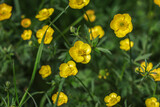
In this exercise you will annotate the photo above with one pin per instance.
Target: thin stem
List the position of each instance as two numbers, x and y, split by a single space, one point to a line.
68 28
14 81
60 14
130 52
61 34
90 26
8 97
150 6
17 6
59 90
85 88
154 92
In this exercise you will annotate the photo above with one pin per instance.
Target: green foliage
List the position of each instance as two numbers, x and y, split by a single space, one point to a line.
21 60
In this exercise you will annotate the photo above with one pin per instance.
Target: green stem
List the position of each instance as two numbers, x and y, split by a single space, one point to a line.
130 52
38 57
17 6
150 6
85 88
68 28
61 34
45 96
14 81
59 90
8 97
154 92
90 24
60 14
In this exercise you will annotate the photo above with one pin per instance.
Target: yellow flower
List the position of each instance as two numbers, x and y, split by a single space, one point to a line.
80 52
61 100
155 74
103 73
96 31
91 15
26 35
5 11
44 14
152 102
26 22
112 99
45 71
121 24
157 2
126 44
78 4
48 37
143 68
68 69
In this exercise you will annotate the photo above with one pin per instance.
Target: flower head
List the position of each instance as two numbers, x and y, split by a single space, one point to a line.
78 4
155 74
144 68
112 99
61 100
126 44
157 2
121 24
80 52
5 11
26 35
26 22
103 73
96 31
91 15
45 71
44 14
152 102
48 35
68 69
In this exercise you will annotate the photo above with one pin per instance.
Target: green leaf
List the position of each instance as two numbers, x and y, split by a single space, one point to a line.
104 50
86 33
95 41
155 67
142 57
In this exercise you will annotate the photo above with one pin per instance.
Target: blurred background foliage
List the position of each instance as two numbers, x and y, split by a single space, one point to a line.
122 79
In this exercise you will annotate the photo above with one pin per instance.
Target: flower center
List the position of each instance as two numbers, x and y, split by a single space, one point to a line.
121 24
45 13
113 100
79 2
153 104
80 52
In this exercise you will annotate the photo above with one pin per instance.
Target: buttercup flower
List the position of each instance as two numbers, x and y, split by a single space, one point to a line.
44 14
45 71
61 100
96 31
48 37
26 22
103 74
155 74
125 45
152 102
112 99
68 69
121 24
157 2
26 35
91 15
78 4
80 52
5 11
144 68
